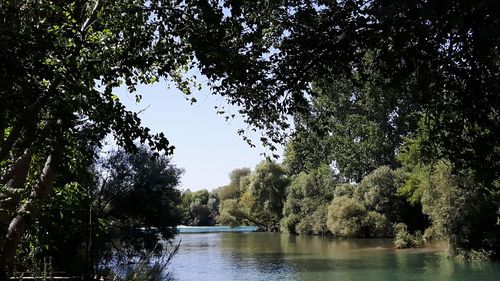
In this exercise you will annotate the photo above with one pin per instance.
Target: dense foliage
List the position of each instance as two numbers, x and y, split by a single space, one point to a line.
319 203
305 208
436 60
400 203
126 208
199 208
137 201
365 80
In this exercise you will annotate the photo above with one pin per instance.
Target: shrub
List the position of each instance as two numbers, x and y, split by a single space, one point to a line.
472 255
463 211
226 217
345 217
404 239
377 225
431 234
304 227
289 222
319 218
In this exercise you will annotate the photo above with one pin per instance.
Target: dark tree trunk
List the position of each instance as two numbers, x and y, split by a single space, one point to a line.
27 214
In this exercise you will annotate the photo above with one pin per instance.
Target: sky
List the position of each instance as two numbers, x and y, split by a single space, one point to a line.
207 146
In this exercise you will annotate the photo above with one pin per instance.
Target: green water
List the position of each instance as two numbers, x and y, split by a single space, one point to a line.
274 256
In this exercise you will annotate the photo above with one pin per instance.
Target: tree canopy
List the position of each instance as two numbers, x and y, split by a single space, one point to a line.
441 56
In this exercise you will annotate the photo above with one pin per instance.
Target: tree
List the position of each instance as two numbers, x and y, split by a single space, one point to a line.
345 217
264 197
352 124
433 67
234 188
462 212
200 208
308 195
138 201
127 201
232 214
67 248
379 192
62 249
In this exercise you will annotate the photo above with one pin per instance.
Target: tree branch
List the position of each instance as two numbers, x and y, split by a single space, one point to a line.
16 176
92 17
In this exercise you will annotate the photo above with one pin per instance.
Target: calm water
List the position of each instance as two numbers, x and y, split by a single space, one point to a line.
274 256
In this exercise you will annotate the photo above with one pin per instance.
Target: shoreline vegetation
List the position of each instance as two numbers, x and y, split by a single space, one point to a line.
410 206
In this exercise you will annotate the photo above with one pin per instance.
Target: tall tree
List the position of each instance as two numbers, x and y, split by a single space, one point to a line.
234 189
264 197
138 201
352 124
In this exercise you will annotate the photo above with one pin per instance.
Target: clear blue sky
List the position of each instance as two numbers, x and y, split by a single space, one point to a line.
206 146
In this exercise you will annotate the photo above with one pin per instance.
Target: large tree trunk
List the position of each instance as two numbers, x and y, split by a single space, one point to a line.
13 184
27 214
16 176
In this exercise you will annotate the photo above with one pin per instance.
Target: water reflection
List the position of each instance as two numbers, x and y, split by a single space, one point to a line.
273 256
247 251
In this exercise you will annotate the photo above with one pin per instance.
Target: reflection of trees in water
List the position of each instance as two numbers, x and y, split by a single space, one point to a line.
444 268
262 252
314 258
290 254
334 248
323 258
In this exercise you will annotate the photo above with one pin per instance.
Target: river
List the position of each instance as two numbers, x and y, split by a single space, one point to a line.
275 256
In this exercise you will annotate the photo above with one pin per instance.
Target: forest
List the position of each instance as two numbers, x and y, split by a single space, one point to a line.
388 111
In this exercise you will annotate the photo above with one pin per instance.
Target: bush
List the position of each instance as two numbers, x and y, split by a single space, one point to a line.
463 211
404 239
472 255
226 210
345 217
431 234
306 206
142 269
319 220
378 191
304 227
377 225
288 223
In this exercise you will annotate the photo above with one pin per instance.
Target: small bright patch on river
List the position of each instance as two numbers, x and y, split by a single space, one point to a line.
275 256
214 229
